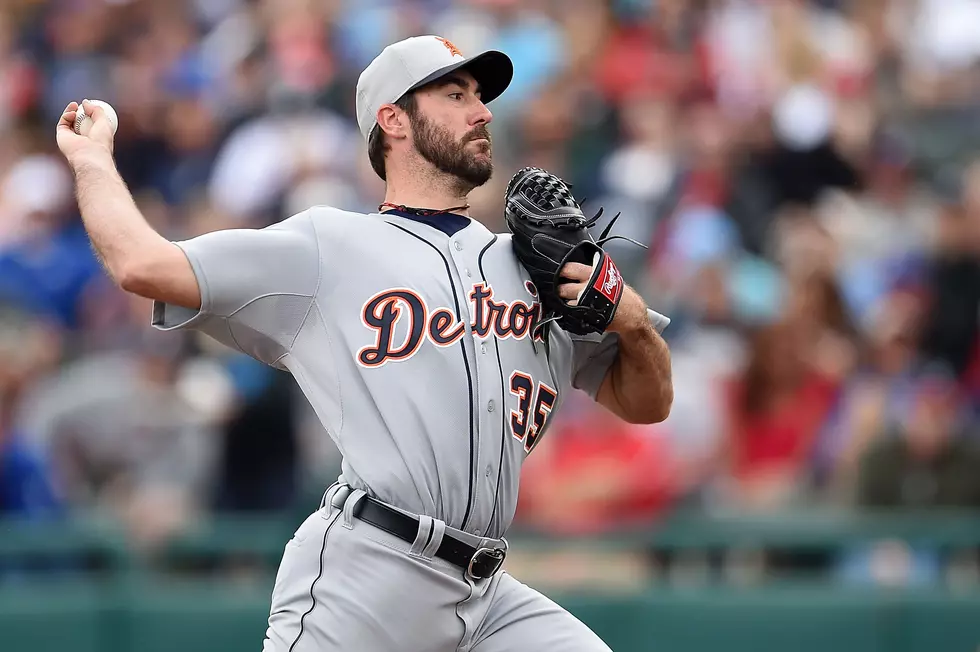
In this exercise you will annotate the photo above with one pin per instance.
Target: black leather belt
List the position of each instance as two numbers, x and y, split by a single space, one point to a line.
479 563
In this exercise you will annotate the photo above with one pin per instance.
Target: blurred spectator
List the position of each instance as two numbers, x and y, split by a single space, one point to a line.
930 460
873 395
707 342
123 435
27 488
259 466
775 410
46 264
953 283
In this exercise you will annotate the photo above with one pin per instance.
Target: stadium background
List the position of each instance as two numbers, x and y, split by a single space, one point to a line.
807 174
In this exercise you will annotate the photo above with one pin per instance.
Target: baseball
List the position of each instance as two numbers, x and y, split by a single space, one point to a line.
83 122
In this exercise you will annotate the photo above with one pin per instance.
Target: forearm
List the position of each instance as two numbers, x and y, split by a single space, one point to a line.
640 377
119 233
638 387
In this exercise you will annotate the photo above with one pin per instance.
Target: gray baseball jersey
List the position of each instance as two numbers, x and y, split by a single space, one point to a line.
411 338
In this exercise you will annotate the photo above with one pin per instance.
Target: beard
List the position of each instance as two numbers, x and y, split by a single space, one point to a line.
436 145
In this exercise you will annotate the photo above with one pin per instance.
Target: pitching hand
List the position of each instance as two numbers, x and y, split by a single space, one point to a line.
99 137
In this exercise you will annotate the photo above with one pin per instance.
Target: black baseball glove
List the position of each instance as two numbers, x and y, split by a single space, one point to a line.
549 230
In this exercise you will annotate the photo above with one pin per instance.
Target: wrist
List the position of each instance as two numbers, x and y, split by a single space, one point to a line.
631 315
93 156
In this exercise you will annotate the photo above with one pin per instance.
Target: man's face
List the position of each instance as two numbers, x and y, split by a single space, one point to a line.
450 130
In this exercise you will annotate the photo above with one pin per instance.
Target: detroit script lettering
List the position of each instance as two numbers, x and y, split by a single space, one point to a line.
441 327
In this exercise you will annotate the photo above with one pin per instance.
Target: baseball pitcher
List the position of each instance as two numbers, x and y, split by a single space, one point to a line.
433 351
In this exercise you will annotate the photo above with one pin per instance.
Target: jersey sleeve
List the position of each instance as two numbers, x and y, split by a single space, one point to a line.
592 355
257 287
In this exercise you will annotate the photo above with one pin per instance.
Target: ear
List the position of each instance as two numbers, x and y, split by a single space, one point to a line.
393 121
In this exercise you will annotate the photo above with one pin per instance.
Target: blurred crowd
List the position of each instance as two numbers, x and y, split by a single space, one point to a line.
805 173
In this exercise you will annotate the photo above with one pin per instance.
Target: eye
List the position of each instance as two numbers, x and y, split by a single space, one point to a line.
456 96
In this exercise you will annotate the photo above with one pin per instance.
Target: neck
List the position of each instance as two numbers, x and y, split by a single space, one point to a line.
426 188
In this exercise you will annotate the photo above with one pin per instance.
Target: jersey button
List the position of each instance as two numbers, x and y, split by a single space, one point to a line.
458 246
489 470
490 406
483 348
469 273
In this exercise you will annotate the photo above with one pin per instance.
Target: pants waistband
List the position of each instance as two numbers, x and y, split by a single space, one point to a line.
338 493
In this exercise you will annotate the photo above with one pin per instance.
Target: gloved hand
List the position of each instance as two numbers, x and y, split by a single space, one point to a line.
550 230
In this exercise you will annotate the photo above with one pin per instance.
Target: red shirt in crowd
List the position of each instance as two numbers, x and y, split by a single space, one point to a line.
782 436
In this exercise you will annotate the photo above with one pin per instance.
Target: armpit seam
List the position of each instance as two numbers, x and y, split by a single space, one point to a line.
316 290
298 371
340 389
231 334
313 298
266 296
309 308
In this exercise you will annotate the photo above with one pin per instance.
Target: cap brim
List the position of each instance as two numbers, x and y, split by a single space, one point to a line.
492 70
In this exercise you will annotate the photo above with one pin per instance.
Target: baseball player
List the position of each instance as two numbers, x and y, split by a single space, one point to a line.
417 335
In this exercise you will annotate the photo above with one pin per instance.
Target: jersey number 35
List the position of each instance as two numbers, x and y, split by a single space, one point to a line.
521 424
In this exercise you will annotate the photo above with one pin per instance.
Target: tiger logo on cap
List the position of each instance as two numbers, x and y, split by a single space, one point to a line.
455 51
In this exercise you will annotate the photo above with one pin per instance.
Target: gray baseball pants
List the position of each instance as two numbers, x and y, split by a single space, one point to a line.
345 585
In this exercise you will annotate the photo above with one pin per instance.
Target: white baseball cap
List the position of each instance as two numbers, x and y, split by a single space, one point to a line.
417 61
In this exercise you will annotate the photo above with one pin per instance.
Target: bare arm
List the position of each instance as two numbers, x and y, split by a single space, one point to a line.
138 259
638 387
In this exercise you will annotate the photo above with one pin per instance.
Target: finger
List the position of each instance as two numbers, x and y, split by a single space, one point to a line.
570 290
93 111
576 272
71 108
67 120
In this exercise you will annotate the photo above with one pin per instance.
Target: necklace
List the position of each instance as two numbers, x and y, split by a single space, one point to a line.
422 212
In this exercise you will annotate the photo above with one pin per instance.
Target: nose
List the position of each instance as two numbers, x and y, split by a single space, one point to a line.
482 115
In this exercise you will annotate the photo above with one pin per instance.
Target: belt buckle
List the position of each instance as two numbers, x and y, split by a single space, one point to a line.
496 556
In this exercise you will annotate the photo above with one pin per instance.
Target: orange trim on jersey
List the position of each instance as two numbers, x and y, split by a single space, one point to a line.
439 321
391 299
522 396
545 408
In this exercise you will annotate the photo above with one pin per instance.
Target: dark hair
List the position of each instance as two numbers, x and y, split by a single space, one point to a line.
758 383
832 302
378 146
